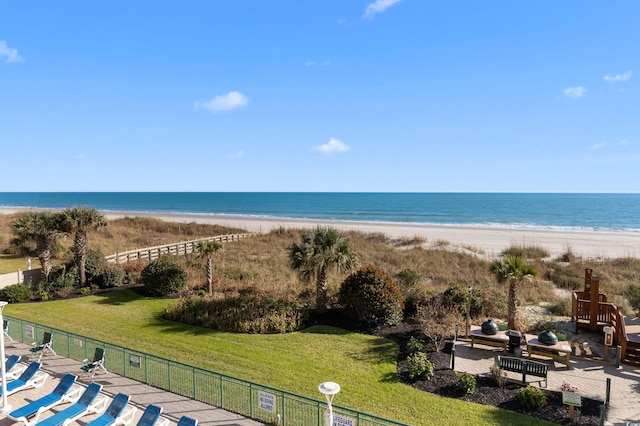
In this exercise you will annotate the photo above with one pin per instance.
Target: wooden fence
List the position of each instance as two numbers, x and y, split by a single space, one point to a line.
181 248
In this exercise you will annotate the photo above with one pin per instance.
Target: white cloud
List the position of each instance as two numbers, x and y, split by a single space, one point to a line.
618 77
10 55
334 145
316 63
603 145
574 92
238 154
378 6
231 100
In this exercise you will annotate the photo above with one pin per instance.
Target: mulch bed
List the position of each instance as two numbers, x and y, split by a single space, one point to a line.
445 382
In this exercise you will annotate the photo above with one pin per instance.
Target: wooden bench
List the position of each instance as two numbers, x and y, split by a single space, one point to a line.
499 340
524 366
560 351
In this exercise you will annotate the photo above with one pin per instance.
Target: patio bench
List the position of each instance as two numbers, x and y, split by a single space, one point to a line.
524 366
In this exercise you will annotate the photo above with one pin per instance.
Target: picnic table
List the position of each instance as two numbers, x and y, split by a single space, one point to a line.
560 351
500 339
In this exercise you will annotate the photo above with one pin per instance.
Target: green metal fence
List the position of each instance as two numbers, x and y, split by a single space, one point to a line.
253 400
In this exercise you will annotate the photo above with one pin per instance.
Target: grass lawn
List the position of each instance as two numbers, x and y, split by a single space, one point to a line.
11 263
363 365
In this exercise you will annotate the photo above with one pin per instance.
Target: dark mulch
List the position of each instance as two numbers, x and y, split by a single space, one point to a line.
444 382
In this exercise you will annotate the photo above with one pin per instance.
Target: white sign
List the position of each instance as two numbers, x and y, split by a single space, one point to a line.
339 420
77 342
267 401
28 331
571 398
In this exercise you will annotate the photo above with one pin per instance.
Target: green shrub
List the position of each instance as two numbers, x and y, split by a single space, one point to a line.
633 295
94 267
419 366
561 308
15 293
466 382
371 297
409 277
247 313
531 397
414 346
498 375
162 277
111 276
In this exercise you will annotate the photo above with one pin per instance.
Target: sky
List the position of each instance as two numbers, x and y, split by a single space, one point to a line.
331 95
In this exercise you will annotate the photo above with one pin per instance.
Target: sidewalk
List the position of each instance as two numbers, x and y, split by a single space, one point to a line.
589 376
174 406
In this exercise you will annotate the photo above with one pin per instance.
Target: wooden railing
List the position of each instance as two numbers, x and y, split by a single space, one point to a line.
607 314
181 248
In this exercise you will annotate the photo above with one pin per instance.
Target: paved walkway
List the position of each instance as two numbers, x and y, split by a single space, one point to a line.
589 376
174 406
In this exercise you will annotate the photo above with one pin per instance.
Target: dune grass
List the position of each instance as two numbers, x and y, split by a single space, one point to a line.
364 365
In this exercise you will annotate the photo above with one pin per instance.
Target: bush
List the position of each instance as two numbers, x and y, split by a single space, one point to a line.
633 295
466 382
498 375
414 346
419 366
531 397
162 277
561 308
94 267
371 297
243 314
112 276
527 252
15 293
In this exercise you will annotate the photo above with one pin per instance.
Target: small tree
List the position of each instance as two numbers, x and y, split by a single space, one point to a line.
320 249
438 320
207 249
515 271
163 276
371 297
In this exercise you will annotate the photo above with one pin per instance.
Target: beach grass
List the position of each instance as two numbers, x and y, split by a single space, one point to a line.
364 365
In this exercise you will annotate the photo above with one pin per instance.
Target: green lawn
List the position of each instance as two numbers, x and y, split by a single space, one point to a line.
11 263
297 362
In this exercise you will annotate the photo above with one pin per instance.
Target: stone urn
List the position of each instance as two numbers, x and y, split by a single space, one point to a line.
489 327
547 338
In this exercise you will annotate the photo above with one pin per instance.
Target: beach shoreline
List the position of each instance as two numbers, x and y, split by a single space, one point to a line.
487 241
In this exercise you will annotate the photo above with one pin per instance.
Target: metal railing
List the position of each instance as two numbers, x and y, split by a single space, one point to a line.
253 400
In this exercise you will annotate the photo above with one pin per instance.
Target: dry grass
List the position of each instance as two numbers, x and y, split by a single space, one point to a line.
260 264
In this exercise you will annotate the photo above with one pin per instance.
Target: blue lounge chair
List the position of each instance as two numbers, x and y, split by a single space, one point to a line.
62 393
84 406
150 416
97 363
28 379
45 346
12 368
187 421
115 412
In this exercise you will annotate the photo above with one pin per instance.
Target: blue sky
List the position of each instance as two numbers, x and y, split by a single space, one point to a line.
344 95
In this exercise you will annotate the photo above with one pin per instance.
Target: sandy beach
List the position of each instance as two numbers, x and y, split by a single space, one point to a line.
488 241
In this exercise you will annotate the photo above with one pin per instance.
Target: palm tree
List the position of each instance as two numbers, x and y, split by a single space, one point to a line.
515 271
207 249
42 227
321 248
80 220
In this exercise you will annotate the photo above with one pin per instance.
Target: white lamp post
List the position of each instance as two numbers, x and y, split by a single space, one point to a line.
329 389
5 405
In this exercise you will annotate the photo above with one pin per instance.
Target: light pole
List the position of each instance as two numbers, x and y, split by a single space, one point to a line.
3 368
329 389
468 324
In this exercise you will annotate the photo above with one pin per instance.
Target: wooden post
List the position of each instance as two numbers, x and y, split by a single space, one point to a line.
595 304
572 413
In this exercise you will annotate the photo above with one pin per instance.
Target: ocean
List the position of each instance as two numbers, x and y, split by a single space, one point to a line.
592 212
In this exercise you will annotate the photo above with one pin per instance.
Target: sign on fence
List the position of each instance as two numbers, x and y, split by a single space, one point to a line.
134 361
28 331
267 401
339 420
